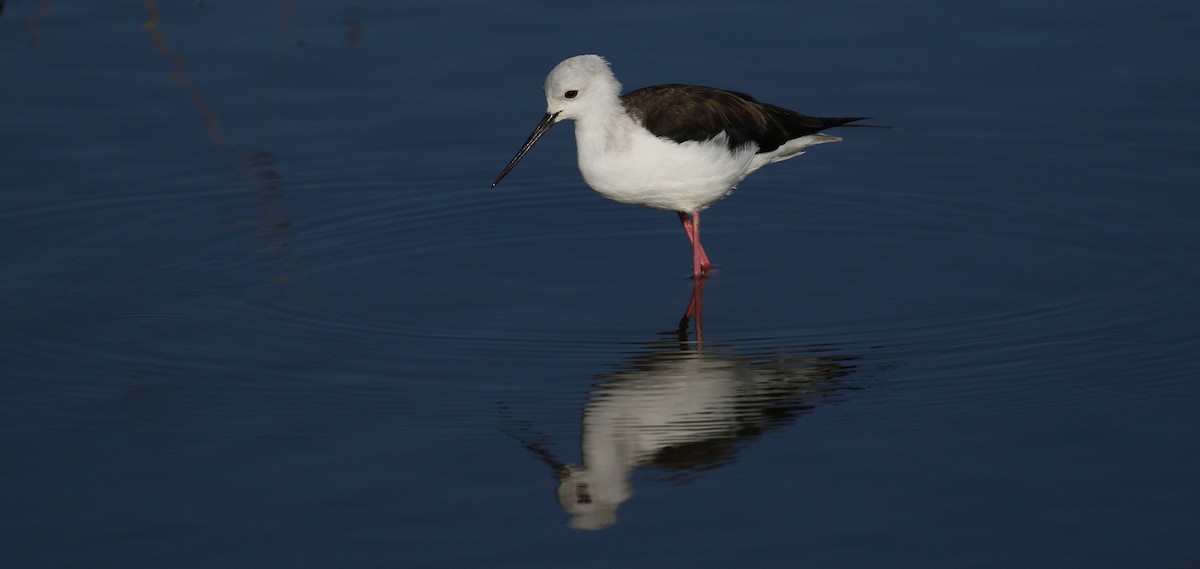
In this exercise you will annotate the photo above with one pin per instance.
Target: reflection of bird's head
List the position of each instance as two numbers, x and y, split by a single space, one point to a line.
590 505
577 493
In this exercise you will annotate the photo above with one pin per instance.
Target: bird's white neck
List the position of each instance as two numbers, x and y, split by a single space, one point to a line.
603 130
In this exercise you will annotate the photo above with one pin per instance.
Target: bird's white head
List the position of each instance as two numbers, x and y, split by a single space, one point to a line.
579 84
577 87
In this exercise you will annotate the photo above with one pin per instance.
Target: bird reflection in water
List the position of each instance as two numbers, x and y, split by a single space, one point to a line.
681 407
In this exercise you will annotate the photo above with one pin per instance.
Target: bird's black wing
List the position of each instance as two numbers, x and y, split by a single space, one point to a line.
691 112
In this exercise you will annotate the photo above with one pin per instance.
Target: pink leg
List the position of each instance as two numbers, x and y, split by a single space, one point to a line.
700 263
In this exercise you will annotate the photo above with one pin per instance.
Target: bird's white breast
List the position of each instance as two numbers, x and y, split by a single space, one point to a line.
626 163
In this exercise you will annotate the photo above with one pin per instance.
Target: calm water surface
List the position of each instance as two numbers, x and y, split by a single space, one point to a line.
261 307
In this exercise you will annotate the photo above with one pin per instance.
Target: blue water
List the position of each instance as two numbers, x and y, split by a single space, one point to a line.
261 307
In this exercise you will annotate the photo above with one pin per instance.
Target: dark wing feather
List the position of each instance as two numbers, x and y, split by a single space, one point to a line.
690 112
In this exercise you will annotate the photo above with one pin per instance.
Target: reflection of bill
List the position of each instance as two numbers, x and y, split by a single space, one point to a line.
680 410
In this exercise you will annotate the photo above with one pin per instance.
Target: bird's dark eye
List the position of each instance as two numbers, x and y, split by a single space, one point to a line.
571 94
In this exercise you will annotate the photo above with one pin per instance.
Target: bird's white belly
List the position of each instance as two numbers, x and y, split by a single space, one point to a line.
659 173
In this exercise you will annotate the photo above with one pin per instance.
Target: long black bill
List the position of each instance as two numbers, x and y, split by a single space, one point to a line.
542 127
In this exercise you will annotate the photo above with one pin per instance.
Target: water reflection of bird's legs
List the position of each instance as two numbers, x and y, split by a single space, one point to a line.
694 313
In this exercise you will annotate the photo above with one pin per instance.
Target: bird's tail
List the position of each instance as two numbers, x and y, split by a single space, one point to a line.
830 122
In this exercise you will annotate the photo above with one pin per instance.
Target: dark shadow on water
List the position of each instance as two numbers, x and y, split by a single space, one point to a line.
33 26
681 406
274 229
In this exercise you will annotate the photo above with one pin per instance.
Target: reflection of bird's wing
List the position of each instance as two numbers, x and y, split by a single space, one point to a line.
683 410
